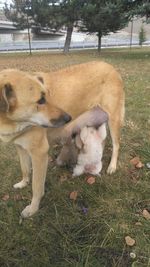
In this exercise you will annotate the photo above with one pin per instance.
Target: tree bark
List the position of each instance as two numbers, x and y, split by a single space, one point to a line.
99 42
68 38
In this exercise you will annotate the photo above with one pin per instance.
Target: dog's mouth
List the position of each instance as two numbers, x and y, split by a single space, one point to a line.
40 120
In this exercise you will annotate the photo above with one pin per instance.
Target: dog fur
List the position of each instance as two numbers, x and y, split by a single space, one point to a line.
75 90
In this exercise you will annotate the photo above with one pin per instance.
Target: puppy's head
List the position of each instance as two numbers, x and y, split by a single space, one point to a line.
68 155
88 134
24 99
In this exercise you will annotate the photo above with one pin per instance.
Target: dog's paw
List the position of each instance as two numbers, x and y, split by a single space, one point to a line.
28 211
111 169
21 184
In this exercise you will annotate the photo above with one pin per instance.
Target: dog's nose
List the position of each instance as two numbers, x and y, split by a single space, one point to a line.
61 120
67 117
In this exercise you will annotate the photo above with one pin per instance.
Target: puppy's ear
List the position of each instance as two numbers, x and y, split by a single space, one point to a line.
102 131
84 134
78 141
7 98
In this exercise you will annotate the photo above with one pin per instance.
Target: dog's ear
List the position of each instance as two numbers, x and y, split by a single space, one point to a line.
7 98
102 131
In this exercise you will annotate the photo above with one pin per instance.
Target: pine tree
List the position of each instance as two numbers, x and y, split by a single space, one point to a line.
142 36
105 16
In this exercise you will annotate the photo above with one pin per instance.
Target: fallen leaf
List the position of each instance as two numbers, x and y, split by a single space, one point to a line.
146 214
50 159
135 161
84 210
138 223
63 178
148 165
73 195
91 180
139 165
5 197
132 255
17 197
129 241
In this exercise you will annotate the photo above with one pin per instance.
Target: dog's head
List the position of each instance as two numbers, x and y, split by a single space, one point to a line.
24 99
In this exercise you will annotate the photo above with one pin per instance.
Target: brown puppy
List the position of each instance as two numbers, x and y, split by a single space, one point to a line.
23 105
77 89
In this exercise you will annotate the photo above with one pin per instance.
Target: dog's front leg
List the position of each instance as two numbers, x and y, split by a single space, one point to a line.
39 158
25 162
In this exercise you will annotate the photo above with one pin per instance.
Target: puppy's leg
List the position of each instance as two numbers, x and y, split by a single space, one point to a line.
97 169
39 156
78 170
114 127
25 162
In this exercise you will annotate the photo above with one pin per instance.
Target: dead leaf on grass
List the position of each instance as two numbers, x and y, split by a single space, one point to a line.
50 159
18 197
73 195
148 165
136 162
146 214
138 224
5 197
129 241
139 165
91 180
63 178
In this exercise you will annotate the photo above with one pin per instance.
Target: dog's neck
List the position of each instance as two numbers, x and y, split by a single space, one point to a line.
11 130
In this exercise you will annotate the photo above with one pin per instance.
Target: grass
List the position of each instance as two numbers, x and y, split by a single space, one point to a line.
62 234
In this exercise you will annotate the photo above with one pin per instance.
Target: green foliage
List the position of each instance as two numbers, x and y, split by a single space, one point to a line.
142 9
142 36
103 17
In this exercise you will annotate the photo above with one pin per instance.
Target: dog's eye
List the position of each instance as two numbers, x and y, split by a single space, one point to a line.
41 100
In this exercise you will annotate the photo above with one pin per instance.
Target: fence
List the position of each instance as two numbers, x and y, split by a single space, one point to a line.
58 45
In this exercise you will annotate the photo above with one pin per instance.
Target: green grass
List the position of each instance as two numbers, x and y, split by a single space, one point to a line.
61 234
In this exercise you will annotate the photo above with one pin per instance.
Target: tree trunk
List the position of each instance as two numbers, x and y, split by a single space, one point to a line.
99 42
68 38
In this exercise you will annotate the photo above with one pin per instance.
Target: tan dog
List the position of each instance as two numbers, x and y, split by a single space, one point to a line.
24 103
77 89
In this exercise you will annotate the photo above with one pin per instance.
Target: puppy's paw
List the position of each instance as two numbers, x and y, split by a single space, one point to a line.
21 184
78 170
28 211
